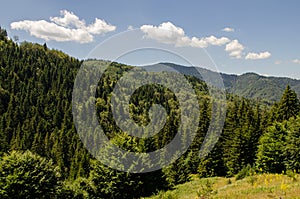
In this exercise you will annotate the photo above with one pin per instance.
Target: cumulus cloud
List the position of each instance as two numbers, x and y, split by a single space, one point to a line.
68 27
69 19
262 55
235 49
228 29
168 33
296 61
211 40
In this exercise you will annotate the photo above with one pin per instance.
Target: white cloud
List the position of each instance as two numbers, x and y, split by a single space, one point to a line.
262 55
168 33
278 62
130 27
228 29
296 61
100 27
50 31
235 49
211 40
66 28
69 19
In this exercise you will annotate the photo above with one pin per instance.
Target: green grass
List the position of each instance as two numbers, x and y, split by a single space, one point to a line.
259 186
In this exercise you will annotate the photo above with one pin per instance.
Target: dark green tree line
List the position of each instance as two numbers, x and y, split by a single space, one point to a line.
36 86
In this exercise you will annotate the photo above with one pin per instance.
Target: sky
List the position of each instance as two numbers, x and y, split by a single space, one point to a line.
239 36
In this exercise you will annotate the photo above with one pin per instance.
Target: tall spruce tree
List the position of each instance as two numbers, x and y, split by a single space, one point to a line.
270 157
292 149
289 105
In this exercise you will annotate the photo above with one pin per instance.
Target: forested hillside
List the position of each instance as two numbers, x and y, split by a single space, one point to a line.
36 90
43 156
248 85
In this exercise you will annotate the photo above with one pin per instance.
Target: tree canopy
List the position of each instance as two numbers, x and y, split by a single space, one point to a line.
43 156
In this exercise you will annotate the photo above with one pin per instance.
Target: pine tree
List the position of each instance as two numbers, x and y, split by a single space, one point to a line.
292 149
270 155
289 105
3 34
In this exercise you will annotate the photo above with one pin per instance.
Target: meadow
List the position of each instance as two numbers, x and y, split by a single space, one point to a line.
259 186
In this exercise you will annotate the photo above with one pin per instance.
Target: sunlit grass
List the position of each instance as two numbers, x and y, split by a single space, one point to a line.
258 186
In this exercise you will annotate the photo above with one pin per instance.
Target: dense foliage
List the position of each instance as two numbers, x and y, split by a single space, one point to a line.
36 116
28 176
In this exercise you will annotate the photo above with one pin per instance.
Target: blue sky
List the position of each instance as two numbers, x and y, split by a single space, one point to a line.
261 36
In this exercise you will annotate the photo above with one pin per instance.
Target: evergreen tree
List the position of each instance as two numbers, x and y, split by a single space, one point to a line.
289 105
3 34
292 149
270 155
213 163
241 125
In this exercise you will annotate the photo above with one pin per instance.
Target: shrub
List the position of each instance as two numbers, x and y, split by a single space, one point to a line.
292 174
245 172
26 175
206 189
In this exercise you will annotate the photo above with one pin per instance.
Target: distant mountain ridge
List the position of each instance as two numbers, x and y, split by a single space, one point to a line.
248 85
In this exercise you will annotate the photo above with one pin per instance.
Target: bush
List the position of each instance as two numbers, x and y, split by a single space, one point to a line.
245 172
79 189
292 174
26 175
206 189
166 195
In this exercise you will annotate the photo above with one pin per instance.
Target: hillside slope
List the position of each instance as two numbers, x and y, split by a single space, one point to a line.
248 85
257 186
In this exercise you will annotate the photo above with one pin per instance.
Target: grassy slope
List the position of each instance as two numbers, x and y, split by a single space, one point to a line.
259 187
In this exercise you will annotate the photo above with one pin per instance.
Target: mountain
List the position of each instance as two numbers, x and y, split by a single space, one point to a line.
37 115
248 85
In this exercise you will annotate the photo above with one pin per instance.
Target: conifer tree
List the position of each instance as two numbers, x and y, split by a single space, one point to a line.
289 105
292 150
270 155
